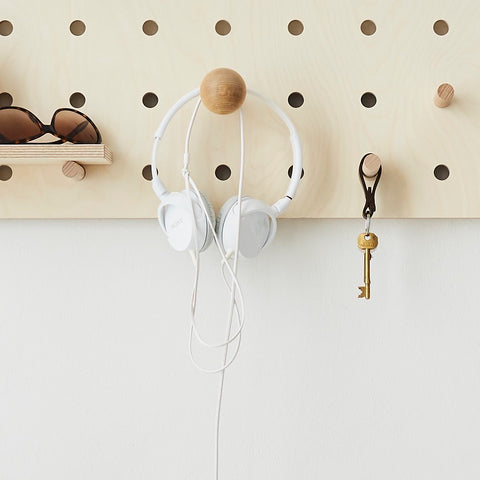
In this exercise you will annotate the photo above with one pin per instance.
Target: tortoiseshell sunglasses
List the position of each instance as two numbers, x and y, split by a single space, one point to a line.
18 125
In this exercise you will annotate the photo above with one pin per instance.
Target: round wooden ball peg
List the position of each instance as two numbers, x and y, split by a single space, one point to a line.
371 165
444 95
74 170
223 91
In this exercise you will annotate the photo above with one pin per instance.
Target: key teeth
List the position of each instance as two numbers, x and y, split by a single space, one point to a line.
363 292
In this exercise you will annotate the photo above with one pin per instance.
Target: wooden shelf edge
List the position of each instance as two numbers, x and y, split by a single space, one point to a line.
36 154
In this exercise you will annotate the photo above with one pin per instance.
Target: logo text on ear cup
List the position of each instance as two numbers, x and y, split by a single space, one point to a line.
176 223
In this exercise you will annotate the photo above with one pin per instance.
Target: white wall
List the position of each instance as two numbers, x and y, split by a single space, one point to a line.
95 380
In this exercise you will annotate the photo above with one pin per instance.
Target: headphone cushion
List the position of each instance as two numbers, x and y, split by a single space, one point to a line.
258 225
175 218
211 216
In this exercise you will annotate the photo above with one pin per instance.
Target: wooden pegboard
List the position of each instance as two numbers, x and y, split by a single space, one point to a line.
331 63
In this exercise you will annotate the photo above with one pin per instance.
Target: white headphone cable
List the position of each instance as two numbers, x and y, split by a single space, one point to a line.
235 265
189 182
240 317
225 264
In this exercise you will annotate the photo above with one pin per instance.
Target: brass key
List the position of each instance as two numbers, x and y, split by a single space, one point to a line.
366 242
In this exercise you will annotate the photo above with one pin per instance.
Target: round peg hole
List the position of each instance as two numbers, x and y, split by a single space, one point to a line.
5 173
77 28
295 27
295 99
150 28
150 100
77 100
368 100
440 27
6 28
223 172
290 172
6 99
441 172
368 27
147 172
222 27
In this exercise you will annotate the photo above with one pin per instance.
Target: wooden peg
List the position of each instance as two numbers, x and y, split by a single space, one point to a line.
223 91
444 95
371 165
74 170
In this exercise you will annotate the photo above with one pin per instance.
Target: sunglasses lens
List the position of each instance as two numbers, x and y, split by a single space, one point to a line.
75 127
17 126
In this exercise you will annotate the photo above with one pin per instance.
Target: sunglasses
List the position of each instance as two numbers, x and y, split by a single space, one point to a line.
18 125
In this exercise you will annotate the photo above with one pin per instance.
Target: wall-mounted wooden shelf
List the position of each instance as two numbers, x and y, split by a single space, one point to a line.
31 154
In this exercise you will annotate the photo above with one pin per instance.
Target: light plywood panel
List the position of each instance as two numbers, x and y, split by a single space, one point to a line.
31 154
331 63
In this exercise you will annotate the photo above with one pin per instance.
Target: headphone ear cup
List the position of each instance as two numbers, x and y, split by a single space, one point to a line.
175 218
258 225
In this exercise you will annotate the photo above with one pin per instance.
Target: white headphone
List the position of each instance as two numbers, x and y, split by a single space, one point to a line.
258 222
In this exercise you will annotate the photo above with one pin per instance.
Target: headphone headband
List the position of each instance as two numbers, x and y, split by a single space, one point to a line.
280 205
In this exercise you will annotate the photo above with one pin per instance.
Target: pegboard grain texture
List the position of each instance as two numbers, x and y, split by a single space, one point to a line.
331 63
